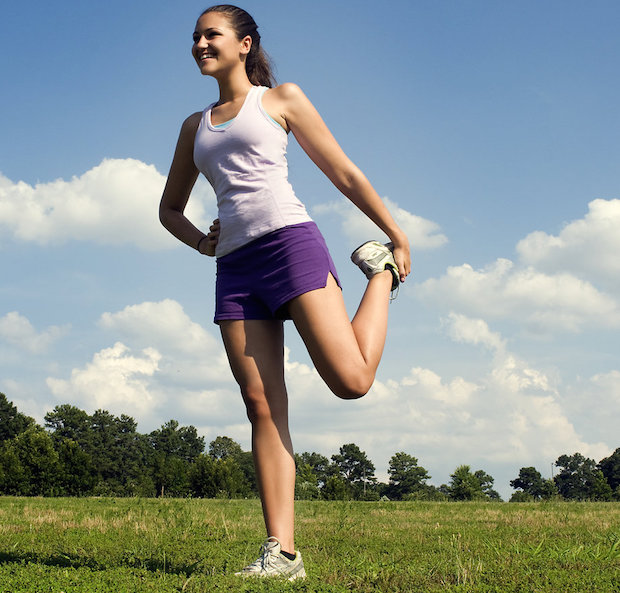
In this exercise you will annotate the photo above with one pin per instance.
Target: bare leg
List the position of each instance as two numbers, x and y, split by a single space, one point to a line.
345 353
256 353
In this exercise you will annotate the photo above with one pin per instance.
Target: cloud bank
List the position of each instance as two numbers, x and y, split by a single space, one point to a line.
114 203
588 247
168 366
422 233
565 283
17 330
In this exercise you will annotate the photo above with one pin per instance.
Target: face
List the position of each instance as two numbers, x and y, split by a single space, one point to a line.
216 47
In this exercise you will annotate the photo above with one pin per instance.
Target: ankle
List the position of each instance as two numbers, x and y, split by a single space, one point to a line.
288 555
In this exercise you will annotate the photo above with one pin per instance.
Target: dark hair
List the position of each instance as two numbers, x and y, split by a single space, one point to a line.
257 63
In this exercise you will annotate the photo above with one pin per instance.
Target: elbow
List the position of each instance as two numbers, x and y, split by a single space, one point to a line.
164 216
349 180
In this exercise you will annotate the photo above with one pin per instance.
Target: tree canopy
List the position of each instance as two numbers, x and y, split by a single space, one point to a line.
79 454
580 479
531 482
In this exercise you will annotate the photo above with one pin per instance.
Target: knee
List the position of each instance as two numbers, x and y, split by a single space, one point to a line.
352 386
257 405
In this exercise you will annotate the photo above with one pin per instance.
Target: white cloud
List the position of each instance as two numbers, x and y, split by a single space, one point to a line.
595 404
589 247
472 331
190 354
182 371
542 302
115 380
115 203
422 233
455 393
164 323
18 331
510 416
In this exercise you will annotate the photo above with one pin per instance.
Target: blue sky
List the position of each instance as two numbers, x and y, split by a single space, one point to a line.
491 128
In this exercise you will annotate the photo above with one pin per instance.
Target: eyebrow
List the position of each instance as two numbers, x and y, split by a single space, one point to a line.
207 30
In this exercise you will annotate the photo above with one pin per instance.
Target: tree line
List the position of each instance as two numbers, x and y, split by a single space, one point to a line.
99 454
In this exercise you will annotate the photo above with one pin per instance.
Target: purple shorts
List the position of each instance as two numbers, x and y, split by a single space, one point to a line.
256 280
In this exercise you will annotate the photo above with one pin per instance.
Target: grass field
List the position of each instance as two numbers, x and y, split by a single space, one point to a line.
134 545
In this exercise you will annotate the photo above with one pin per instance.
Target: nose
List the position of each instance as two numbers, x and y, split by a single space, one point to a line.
201 43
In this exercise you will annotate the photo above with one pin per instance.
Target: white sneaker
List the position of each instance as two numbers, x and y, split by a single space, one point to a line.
271 563
373 258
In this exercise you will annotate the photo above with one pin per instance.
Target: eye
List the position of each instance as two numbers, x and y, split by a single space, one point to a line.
196 37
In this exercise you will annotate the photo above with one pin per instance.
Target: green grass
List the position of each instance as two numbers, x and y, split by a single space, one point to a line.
135 545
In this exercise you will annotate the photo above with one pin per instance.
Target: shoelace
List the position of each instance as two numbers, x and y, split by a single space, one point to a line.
266 557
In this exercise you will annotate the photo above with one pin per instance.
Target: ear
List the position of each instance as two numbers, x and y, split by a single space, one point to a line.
245 45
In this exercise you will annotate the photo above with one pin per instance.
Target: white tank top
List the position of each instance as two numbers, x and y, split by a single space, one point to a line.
245 162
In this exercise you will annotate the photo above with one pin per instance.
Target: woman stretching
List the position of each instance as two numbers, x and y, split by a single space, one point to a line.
272 261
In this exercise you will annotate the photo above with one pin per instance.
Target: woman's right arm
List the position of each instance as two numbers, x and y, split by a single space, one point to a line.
181 179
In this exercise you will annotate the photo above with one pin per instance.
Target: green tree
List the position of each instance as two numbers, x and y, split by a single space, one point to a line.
428 492
68 422
120 454
336 488
406 476
32 457
531 482
170 475
13 478
465 485
486 483
318 464
216 478
610 466
175 448
12 422
306 483
182 442
355 469
223 447
580 479
77 474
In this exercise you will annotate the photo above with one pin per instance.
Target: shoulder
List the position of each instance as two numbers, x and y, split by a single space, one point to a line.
191 123
189 127
288 91
290 102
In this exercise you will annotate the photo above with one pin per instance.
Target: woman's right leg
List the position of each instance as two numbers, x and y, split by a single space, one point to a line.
255 351
345 353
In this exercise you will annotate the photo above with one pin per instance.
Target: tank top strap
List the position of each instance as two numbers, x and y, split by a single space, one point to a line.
257 100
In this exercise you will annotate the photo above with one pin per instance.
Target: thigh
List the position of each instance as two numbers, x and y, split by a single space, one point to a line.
323 323
255 350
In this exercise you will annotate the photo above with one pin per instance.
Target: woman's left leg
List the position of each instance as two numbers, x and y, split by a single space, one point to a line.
255 351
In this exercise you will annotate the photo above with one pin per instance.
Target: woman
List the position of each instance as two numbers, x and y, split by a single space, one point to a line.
272 262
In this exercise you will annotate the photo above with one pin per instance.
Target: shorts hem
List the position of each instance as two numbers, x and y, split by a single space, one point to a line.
300 291
274 313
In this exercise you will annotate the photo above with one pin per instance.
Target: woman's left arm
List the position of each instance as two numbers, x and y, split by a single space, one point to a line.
314 137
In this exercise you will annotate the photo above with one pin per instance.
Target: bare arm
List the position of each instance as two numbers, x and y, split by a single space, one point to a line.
301 118
181 179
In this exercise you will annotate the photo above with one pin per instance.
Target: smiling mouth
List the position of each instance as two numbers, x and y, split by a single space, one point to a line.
205 56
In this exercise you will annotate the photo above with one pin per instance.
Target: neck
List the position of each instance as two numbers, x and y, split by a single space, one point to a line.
234 87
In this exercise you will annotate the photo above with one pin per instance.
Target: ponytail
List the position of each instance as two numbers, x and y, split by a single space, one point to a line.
258 65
